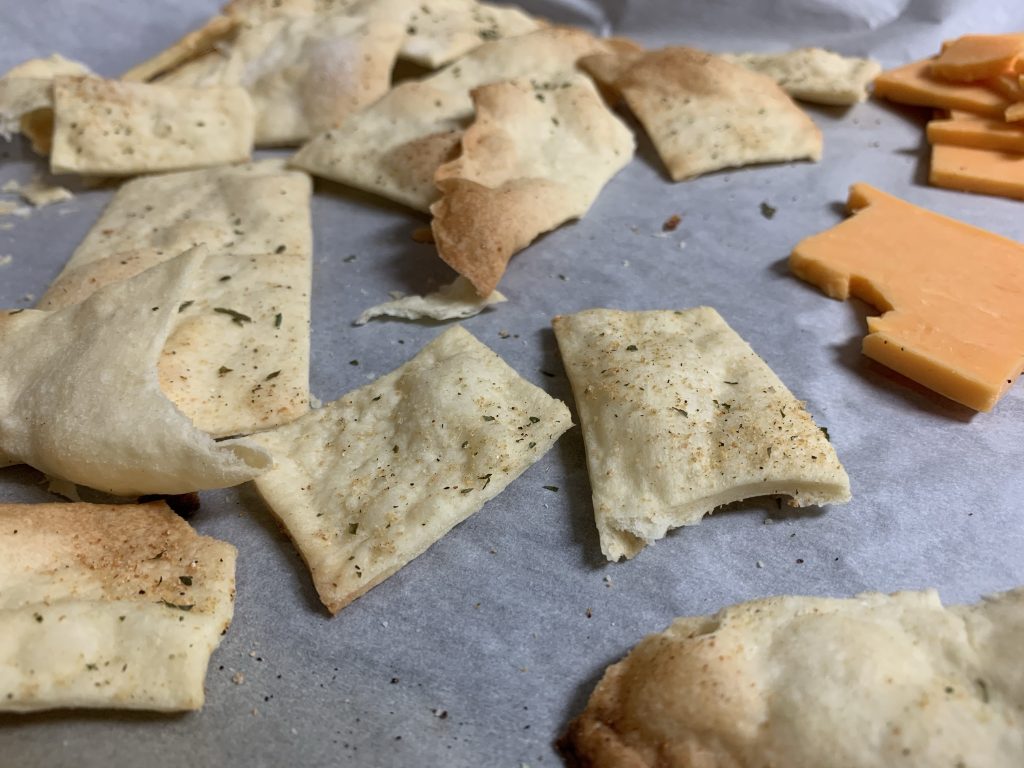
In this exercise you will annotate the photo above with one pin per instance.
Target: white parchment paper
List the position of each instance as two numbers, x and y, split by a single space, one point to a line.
480 651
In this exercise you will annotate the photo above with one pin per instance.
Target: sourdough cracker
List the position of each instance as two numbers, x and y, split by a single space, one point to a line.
814 74
112 606
704 113
83 403
869 682
106 127
536 155
680 417
394 147
367 483
457 300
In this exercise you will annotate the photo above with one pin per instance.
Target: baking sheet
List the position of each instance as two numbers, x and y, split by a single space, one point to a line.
480 651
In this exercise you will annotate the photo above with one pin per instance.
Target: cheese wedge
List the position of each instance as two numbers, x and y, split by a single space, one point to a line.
978 132
977 57
913 84
952 295
986 172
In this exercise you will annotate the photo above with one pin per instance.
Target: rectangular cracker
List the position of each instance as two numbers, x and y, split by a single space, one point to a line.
814 74
111 606
369 482
256 220
394 147
110 128
680 417
536 155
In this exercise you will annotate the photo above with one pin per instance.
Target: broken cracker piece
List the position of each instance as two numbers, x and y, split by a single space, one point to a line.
368 482
111 606
680 417
814 74
457 300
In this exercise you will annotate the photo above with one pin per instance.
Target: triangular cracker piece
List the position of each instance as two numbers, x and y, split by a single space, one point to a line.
440 31
237 359
394 147
814 74
26 98
536 155
193 45
680 417
112 606
80 399
704 113
369 482
875 681
110 128
455 301
305 73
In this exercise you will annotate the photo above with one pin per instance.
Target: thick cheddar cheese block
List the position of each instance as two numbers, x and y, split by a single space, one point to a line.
913 84
952 295
965 130
969 169
977 57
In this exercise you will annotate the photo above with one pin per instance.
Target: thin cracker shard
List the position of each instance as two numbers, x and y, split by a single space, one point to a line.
110 606
107 127
369 482
458 300
680 417
814 74
704 113
537 155
954 325
791 679
80 398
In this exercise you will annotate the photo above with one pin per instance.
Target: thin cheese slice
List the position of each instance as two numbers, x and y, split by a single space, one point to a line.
913 84
978 132
952 294
984 171
977 57
680 417
1008 85
369 482
113 606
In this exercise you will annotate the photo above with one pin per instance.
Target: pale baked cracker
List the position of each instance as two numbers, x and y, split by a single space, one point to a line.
680 417
111 128
369 482
80 398
814 74
704 113
457 300
304 73
256 220
440 31
39 193
394 147
536 155
112 606
875 681
26 98
192 45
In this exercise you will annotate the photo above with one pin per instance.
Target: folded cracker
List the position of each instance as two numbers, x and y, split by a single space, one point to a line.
679 417
26 98
369 482
870 682
112 606
215 364
704 113
394 147
457 300
305 73
536 155
814 74
80 399
440 31
113 128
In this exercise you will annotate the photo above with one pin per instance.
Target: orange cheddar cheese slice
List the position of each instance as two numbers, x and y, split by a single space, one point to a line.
912 84
977 57
966 130
984 171
1007 85
952 295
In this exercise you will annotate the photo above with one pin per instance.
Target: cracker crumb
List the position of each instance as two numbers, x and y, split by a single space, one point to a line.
760 564
6 259
238 678
423 235
671 223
